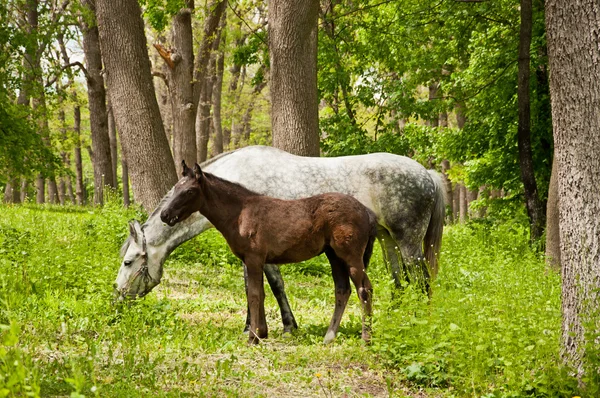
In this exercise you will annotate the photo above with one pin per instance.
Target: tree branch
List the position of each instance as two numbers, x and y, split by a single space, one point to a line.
79 64
165 55
162 76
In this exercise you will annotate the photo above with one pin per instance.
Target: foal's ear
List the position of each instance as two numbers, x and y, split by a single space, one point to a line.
187 172
198 172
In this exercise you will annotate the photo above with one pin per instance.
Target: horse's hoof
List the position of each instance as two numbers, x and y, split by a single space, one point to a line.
329 337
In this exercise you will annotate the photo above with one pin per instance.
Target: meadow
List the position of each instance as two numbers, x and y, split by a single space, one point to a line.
491 329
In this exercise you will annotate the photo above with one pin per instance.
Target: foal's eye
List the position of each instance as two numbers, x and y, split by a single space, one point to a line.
189 192
127 263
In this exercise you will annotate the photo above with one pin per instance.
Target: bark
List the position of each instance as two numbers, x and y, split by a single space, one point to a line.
112 136
137 116
24 187
218 142
103 173
79 187
11 192
433 95
532 201
215 10
575 93
552 221
456 202
52 190
181 87
448 188
293 55
463 204
203 117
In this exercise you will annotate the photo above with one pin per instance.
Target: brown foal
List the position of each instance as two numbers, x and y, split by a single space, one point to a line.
260 229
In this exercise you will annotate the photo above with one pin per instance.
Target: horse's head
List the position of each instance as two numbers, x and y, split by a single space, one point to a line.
139 272
187 196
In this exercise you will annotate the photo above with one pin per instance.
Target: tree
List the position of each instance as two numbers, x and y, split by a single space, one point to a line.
552 221
180 66
293 55
137 116
575 92
103 172
535 209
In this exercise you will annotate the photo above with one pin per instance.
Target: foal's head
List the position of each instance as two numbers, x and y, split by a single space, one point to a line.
187 196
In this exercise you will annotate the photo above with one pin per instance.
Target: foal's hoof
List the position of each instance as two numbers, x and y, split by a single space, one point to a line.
329 337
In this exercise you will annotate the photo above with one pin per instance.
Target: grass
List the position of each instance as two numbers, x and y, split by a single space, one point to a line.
492 328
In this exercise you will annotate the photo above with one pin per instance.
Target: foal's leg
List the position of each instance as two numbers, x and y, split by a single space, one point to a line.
276 282
341 281
256 301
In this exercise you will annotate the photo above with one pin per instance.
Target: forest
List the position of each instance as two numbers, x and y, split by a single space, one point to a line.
101 102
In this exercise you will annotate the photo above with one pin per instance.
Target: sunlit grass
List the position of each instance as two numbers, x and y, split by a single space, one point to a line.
491 328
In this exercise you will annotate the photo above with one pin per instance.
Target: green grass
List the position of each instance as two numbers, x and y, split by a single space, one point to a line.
491 329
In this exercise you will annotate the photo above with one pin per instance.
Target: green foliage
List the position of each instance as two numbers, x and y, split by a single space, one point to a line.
492 327
159 12
22 151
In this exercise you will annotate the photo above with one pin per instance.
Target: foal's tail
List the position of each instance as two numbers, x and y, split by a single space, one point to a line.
372 235
433 236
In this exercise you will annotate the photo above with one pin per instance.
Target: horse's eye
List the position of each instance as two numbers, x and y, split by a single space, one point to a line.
127 263
189 192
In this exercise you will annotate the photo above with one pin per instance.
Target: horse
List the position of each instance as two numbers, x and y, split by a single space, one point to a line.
260 229
407 199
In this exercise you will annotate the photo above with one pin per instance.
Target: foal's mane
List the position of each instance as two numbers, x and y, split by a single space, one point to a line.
229 186
166 198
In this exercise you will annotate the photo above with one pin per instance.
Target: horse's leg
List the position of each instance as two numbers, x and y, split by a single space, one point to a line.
256 301
341 281
364 290
276 282
392 257
247 326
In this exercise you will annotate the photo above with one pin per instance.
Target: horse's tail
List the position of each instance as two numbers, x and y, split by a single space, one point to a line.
372 235
433 236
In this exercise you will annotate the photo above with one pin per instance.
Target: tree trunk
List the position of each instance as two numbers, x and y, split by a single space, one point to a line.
181 87
293 55
112 136
456 202
203 117
11 192
217 90
448 188
573 43
103 173
137 115
53 190
214 12
433 95
79 187
532 200
552 221
463 204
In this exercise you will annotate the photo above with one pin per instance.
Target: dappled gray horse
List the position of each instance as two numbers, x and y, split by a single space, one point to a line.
407 199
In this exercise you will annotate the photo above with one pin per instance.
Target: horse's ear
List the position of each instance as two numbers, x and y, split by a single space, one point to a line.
186 170
132 230
198 172
135 231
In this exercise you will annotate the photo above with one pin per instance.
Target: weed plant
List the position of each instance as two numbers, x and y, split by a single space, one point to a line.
491 329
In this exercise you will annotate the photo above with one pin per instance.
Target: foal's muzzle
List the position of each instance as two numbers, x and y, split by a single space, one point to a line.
169 219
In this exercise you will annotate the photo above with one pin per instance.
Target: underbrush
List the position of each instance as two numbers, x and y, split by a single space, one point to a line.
491 329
